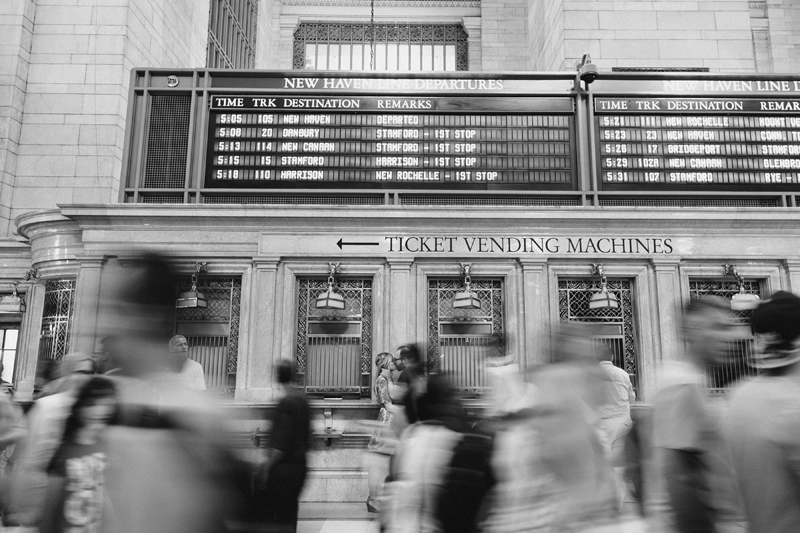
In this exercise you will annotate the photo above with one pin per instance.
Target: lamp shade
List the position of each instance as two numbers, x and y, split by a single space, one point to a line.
466 300
330 299
603 300
12 303
190 299
744 302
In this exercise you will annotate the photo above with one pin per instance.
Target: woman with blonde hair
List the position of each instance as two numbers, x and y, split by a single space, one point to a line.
381 445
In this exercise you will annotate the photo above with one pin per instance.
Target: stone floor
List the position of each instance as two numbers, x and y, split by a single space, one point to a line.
353 518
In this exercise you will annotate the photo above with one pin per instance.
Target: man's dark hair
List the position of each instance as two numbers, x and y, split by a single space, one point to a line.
285 372
410 352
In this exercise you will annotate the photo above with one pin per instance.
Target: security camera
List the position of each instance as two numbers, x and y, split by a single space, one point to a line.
588 73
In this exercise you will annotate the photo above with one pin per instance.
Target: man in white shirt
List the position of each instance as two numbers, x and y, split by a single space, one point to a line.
190 373
615 415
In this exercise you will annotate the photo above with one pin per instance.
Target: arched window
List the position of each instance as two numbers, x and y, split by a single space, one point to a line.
397 47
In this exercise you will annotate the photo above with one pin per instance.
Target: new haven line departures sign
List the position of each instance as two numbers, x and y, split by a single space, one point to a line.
458 133
496 133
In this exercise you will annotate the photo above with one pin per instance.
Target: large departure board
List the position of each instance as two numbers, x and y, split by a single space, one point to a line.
698 143
469 142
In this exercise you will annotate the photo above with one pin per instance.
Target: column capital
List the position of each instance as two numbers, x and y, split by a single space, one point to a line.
400 263
533 265
91 260
266 262
664 264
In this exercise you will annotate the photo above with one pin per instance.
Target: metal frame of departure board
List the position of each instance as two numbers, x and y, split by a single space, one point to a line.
695 132
261 131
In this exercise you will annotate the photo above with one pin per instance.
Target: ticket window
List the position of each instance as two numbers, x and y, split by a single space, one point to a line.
333 356
461 340
721 377
612 327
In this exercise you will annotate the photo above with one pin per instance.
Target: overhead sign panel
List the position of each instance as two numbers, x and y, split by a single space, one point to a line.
291 138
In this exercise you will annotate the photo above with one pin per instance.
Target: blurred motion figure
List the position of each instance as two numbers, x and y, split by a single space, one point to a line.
763 424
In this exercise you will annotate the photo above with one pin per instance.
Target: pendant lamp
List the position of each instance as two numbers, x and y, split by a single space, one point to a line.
330 299
602 299
741 301
466 299
193 298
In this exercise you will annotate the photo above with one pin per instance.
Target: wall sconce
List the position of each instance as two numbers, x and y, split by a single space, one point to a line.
741 301
193 298
330 299
466 299
602 299
12 303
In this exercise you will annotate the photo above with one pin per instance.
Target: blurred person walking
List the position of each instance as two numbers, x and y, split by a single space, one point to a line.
46 422
615 416
421 458
283 475
75 495
686 436
381 445
551 470
763 423
13 429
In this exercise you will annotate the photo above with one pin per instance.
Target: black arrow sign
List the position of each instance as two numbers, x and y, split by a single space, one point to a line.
342 243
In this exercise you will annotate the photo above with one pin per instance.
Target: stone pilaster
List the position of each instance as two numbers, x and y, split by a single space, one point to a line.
83 337
401 303
535 342
28 346
257 358
667 311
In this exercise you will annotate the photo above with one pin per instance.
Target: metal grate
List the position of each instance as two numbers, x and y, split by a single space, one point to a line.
573 305
167 142
161 198
633 201
295 200
510 201
232 26
720 378
459 338
335 358
219 354
59 303
397 47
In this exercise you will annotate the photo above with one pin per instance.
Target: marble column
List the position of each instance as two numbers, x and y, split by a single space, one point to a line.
28 346
87 304
402 299
535 327
254 375
793 272
667 312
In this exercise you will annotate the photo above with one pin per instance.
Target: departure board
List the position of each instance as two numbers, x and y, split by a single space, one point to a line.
284 141
738 143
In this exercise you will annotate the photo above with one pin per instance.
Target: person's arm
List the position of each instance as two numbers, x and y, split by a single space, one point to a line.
13 422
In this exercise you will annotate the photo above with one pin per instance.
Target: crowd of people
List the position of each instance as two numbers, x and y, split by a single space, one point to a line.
557 450
126 441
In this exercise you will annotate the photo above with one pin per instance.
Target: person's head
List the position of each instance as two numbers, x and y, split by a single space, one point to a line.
776 323
385 361
407 355
707 329
603 352
138 312
178 345
284 372
94 407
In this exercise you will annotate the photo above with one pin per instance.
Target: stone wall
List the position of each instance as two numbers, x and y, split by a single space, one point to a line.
784 34
75 99
16 27
504 35
712 33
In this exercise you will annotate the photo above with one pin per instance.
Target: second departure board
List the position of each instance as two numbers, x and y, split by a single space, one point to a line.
478 142
706 143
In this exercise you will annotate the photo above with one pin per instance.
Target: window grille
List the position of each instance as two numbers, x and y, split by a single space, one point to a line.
720 378
167 141
615 326
334 348
397 47
59 303
232 28
213 332
459 339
